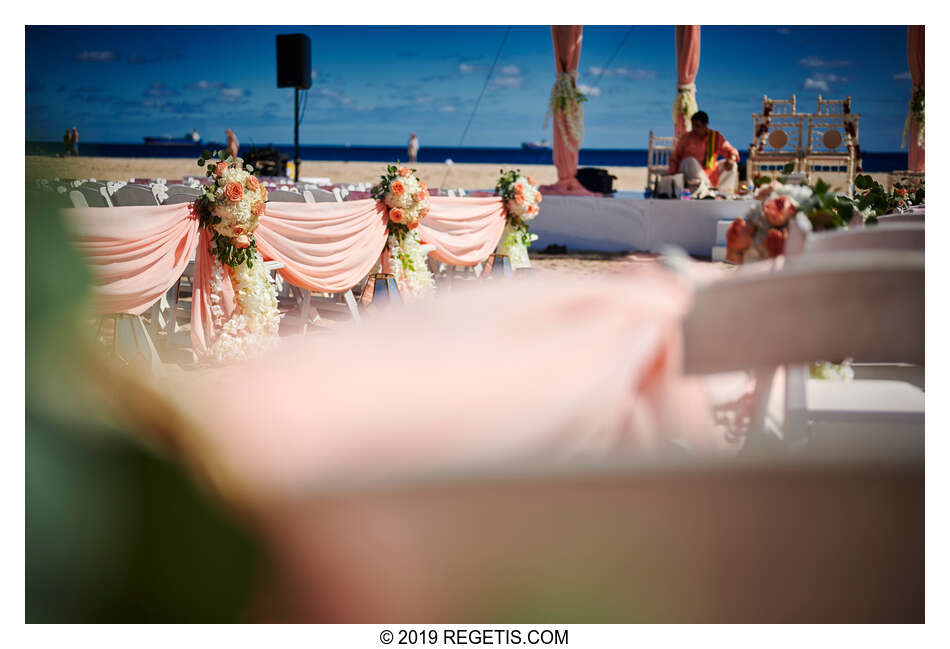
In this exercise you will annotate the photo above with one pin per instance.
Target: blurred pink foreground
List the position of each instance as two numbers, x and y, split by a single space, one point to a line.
512 372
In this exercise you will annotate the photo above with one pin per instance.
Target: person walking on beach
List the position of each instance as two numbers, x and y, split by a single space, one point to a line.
67 143
413 147
74 141
233 144
695 156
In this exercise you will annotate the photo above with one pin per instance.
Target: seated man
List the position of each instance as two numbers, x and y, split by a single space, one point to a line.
695 156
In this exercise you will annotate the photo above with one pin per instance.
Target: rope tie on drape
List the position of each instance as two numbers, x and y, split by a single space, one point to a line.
915 113
685 104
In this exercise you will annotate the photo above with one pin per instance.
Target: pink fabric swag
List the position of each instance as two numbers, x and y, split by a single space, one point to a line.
136 253
464 231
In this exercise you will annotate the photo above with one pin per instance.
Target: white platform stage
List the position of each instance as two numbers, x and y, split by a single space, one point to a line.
632 224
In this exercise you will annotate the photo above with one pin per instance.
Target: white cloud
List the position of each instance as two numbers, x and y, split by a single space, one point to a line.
232 94
205 85
512 83
336 96
823 81
465 67
903 76
817 62
447 109
630 74
511 70
590 91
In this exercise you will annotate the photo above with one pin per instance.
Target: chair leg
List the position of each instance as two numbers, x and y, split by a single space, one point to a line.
351 305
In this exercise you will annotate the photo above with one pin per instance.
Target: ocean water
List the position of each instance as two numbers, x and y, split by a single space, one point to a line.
872 161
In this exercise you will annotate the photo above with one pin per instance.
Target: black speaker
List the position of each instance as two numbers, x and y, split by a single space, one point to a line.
293 61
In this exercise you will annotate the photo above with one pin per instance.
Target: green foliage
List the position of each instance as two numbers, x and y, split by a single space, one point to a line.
758 181
788 168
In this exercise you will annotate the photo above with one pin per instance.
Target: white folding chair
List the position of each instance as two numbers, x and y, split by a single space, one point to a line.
285 196
134 195
866 305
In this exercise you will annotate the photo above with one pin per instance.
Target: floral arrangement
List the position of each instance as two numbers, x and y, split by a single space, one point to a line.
521 198
567 100
685 105
407 200
915 112
231 208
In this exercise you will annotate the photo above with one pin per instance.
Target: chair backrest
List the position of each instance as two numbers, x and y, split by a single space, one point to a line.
658 156
779 106
96 195
818 306
828 134
183 189
77 198
784 135
131 195
884 236
177 199
284 196
322 196
833 106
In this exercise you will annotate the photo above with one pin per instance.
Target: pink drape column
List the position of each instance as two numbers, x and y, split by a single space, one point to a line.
915 61
687 65
567 52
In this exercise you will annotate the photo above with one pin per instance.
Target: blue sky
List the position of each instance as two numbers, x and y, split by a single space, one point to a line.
373 85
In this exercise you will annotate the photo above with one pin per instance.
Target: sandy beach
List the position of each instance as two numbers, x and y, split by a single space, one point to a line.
465 175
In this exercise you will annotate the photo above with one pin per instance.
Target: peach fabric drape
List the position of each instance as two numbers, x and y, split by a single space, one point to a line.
327 247
687 65
567 53
915 61
136 253
464 231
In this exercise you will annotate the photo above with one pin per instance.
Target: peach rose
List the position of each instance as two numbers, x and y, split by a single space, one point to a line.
413 225
242 241
739 235
396 215
519 189
423 212
530 180
405 172
422 184
397 188
775 242
538 199
258 208
234 191
252 183
778 210
220 168
419 196
238 230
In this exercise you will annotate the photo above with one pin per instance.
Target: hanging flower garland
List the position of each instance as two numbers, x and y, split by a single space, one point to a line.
684 106
915 112
567 102
231 208
407 200
521 197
